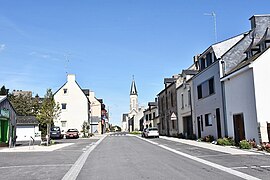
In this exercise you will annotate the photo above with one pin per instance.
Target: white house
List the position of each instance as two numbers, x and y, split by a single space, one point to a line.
186 126
74 104
95 116
207 91
151 115
246 94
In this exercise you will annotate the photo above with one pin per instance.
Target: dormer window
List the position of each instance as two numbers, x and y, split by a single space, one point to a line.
209 59
202 64
65 91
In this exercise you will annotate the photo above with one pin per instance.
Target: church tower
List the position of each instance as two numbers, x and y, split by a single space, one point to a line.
133 97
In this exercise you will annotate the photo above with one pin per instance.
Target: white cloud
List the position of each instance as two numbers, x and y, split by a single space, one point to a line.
2 47
39 55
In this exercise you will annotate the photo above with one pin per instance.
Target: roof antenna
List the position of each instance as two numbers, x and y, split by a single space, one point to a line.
67 55
213 14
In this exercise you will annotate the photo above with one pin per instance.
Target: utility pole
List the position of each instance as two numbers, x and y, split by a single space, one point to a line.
213 14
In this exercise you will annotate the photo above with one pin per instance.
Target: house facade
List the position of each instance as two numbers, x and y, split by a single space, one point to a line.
186 124
167 108
74 104
207 90
150 118
246 93
8 122
95 114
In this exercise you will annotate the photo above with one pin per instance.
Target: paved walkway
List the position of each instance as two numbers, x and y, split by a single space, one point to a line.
35 148
225 149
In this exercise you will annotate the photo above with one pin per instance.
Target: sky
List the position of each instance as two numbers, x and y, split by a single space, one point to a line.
105 42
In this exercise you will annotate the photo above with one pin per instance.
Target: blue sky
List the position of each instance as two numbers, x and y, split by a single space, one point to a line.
108 41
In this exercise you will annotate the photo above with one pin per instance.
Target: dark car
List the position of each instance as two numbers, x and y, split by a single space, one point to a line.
72 133
55 133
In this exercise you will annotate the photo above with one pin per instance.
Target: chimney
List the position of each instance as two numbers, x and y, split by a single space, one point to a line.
260 21
71 78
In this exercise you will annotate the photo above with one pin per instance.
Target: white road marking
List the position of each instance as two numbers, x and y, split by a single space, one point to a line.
214 165
77 166
38 165
265 166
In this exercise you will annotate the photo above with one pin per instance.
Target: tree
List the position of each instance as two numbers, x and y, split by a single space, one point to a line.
22 104
48 112
3 91
85 128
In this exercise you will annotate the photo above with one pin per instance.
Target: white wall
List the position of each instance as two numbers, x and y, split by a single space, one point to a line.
261 82
77 105
24 133
95 112
239 95
208 104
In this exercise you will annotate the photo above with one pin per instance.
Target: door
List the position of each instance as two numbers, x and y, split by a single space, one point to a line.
239 127
199 127
218 122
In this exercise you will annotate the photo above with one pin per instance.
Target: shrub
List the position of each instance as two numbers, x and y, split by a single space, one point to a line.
226 141
244 144
208 138
135 132
192 137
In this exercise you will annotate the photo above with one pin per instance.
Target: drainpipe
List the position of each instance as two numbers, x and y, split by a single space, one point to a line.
224 98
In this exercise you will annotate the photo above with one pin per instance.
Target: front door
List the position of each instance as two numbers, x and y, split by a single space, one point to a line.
239 127
199 127
218 122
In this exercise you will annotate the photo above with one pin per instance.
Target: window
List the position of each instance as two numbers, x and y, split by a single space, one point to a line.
211 86
172 99
146 117
189 97
65 91
209 59
202 122
199 91
154 115
150 116
206 88
64 106
64 123
208 120
202 64
173 124
182 101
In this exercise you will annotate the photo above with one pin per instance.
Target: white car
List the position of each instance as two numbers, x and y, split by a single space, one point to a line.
152 132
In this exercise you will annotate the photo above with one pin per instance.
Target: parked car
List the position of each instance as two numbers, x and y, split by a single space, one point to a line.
152 132
143 132
55 133
72 133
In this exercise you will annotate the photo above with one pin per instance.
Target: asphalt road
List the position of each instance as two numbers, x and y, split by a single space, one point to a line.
42 165
127 157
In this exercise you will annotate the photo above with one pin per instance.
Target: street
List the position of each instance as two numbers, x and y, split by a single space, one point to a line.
122 156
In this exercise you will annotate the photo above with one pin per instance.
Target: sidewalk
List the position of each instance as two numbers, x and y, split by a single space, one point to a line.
225 149
35 148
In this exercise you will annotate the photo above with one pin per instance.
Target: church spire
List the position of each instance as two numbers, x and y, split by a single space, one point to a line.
133 90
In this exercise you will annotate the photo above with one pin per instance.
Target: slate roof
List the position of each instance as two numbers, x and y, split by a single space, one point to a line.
26 120
266 36
246 62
